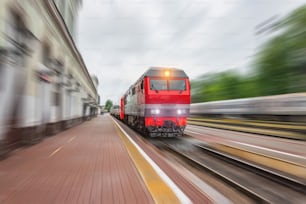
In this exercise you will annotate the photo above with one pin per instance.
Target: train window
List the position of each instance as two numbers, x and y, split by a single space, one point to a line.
158 84
141 85
179 85
56 99
133 91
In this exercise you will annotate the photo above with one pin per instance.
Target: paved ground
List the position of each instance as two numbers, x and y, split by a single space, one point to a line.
86 164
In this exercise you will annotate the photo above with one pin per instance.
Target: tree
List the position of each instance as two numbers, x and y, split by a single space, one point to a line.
108 105
222 86
281 64
280 67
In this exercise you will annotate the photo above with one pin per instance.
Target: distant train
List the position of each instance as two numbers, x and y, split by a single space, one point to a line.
115 111
158 103
286 107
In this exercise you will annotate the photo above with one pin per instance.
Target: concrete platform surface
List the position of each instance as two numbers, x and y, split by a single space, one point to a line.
86 164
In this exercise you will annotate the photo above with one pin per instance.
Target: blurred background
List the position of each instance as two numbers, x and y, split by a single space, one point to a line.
64 62
45 85
278 67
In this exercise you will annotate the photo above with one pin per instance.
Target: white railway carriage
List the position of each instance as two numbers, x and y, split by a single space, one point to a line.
285 107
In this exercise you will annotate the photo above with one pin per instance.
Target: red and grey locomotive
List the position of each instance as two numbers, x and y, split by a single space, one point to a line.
158 103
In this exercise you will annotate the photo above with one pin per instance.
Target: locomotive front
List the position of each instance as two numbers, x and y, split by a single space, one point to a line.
167 101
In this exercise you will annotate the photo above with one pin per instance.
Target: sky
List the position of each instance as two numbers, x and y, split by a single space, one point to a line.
120 39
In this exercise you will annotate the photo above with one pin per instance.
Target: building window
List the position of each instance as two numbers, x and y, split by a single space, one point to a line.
46 55
56 99
133 91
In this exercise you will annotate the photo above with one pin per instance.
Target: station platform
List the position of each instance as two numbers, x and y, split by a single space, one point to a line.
90 163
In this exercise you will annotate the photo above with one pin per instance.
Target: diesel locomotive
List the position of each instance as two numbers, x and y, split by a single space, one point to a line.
158 103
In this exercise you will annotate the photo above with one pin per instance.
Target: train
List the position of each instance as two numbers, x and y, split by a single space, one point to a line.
115 111
284 107
154 108
158 103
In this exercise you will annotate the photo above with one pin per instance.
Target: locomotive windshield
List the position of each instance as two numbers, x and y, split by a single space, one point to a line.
158 84
162 84
179 85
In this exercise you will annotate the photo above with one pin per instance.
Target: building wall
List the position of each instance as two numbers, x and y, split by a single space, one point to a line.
47 86
68 10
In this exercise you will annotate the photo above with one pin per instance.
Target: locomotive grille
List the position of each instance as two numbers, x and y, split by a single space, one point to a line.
168 123
169 112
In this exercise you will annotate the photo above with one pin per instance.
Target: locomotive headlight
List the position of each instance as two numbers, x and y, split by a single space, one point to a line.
180 111
155 111
167 73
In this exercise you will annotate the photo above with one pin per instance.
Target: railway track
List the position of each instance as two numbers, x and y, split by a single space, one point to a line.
257 183
269 128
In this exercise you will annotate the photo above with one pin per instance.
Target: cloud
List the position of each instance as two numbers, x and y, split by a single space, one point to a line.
120 39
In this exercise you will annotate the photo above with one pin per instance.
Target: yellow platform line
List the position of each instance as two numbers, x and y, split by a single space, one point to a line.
159 189
291 168
279 133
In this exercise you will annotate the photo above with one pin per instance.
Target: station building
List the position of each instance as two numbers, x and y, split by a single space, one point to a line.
45 86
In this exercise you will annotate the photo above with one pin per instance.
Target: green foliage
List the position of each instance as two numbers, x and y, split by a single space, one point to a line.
281 64
280 67
222 86
108 105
